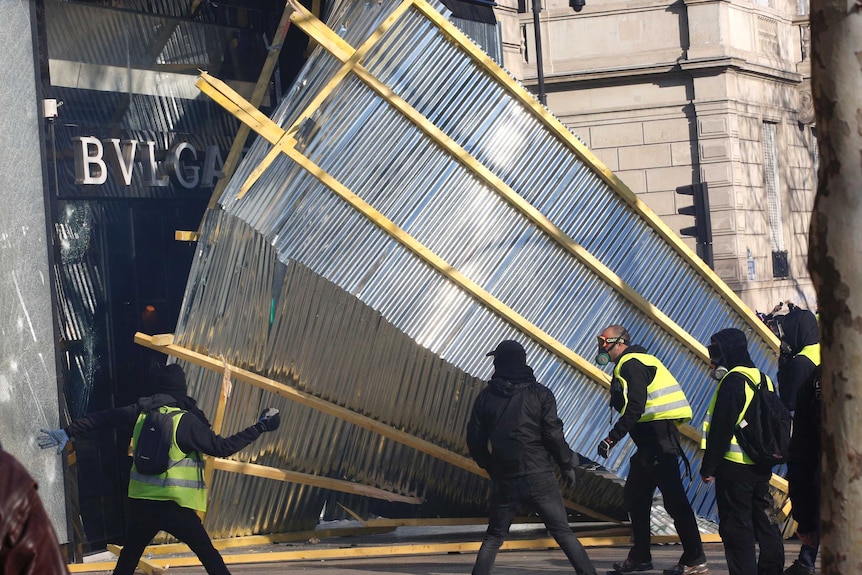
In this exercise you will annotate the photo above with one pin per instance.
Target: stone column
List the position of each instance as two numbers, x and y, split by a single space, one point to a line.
28 374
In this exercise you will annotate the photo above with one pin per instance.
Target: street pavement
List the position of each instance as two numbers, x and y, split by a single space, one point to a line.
508 563
511 562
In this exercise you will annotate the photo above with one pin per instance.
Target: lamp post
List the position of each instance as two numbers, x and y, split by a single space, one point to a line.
540 73
577 6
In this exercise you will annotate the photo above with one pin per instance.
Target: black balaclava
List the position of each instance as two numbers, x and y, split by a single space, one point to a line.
172 381
729 348
799 328
510 362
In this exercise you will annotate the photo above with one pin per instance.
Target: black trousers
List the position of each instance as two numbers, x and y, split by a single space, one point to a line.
541 492
746 514
146 518
645 474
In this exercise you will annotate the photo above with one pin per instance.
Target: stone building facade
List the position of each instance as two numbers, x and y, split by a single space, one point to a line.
673 93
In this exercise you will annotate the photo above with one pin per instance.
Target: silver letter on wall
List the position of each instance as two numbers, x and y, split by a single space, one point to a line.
89 166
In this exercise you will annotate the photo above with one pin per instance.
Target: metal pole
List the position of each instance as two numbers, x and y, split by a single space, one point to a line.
537 7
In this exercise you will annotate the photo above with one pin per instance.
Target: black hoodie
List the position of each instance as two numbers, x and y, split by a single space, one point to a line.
800 329
731 351
518 416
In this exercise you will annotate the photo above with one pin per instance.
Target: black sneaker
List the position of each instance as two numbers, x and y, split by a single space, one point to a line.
629 566
798 569
680 569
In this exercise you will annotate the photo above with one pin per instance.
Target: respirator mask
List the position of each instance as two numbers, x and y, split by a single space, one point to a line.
606 344
717 370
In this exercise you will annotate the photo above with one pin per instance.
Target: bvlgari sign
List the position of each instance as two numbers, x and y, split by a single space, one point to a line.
182 164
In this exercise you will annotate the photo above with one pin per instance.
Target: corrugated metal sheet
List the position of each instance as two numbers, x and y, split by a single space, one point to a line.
293 250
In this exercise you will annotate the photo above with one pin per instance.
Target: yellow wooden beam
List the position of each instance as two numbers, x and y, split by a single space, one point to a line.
144 564
313 480
187 236
239 107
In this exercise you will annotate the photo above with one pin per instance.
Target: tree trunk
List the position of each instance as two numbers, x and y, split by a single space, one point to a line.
835 264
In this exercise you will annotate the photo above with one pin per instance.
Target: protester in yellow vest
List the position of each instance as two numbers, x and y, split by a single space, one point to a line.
651 405
745 507
169 501
800 352
799 387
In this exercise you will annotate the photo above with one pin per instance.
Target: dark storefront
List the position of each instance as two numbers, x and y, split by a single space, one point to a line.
132 156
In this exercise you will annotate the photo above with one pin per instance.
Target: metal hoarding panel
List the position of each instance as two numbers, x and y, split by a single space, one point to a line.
439 168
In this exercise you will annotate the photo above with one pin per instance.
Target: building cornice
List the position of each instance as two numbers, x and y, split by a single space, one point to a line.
684 67
724 63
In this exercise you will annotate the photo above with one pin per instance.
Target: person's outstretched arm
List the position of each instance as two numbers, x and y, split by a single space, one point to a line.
194 435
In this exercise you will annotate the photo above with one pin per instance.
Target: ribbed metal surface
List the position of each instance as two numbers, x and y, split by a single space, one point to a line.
362 141
326 342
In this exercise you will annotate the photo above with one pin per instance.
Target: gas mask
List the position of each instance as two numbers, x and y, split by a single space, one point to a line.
716 359
718 372
606 344
784 347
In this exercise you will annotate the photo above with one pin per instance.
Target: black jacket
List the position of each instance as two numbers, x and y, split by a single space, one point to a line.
794 371
651 437
520 421
803 469
729 404
193 431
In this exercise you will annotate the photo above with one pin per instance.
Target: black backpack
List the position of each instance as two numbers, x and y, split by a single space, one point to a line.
154 443
763 432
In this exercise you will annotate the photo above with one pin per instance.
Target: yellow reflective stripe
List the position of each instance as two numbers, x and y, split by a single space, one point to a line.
663 391
667 407
161 481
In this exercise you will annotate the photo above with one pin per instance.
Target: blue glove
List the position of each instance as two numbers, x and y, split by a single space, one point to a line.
53 438
269 420
604 447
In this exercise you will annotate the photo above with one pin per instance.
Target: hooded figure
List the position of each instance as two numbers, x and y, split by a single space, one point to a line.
800 353
745 506
517 416
729 349
171 389
799 386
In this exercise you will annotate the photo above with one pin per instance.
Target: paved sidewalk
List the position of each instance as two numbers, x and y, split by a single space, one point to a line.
541 562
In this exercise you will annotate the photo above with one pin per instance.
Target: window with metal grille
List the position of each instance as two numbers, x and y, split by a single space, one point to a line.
773 201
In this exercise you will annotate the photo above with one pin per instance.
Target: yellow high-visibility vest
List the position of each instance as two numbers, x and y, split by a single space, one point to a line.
734 451
183 482
665 399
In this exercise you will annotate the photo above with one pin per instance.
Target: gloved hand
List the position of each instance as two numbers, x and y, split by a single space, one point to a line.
605 446
269 420
569 478
53 438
